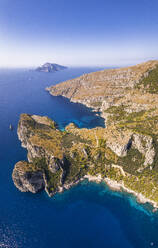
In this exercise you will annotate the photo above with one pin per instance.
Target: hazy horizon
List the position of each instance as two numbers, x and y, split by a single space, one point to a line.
86 33
106 66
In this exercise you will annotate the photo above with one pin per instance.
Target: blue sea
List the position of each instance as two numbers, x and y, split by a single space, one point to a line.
89 215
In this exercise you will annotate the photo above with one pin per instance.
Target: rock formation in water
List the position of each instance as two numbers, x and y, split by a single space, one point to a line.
27 177
48 67
126 151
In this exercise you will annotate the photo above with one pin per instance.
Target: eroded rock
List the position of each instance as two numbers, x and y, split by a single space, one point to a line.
26 178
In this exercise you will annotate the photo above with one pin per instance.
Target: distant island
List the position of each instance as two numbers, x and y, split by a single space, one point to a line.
49 67
124 154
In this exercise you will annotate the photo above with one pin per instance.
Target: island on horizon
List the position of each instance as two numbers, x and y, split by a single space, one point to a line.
50 67
124 154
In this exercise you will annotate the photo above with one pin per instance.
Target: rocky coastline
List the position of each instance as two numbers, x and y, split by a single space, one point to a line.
124 154
114 185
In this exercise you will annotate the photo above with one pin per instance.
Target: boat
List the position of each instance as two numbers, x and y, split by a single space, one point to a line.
10 127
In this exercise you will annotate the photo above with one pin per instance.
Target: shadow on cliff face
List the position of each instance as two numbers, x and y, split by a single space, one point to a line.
67 112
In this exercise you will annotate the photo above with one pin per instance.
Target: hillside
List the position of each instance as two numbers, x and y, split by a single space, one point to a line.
115 87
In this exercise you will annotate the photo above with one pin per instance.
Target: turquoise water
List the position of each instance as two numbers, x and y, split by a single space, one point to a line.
88 215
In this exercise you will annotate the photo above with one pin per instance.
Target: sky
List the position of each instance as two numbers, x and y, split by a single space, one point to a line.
78 33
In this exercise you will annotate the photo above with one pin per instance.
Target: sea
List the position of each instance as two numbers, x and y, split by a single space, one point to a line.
88 215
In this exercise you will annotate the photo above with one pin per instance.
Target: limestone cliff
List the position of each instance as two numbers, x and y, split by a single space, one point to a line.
28 178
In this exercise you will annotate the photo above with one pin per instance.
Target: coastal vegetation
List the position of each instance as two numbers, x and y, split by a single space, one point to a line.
150 83
126 151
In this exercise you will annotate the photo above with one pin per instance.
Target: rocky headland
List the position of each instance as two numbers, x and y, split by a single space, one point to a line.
124 154
49 67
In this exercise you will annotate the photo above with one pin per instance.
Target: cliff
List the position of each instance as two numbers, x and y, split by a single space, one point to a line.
115 87
125 152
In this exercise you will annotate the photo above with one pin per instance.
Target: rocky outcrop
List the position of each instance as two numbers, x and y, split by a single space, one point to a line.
120 143
144 144
26 178
49 67
54 164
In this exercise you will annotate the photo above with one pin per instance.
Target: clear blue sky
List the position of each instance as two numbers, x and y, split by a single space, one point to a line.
83 32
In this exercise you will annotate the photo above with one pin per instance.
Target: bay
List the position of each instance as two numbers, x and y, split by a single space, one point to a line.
88 215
